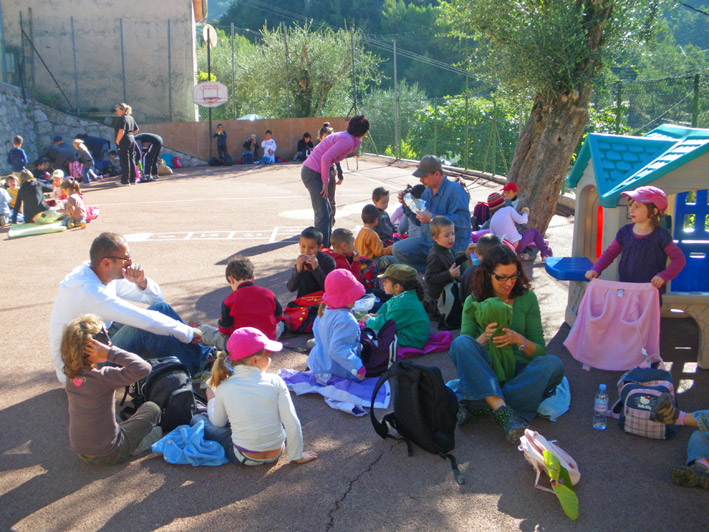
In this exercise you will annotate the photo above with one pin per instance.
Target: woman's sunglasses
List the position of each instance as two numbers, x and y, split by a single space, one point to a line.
504 279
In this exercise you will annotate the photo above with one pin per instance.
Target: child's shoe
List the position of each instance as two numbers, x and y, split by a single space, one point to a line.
664 410
81 224
694 476
512 424
70 224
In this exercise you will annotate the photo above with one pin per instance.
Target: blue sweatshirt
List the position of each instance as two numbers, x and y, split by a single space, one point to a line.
17 159
337 349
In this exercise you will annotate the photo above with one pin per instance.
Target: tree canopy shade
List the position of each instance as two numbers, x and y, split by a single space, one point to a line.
555 48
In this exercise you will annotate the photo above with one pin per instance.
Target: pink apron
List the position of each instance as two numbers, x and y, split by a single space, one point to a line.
616 326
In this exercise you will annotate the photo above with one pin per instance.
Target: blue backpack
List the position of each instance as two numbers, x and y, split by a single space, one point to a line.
638 391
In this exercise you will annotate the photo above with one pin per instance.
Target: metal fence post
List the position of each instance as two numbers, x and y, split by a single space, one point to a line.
76 72
396 109
22 62
285 42
3 59
695 101
123 61
618 103
233 96
435 127
467 132
354 72
169 71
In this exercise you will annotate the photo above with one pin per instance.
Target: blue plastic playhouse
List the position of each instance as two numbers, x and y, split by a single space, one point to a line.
673 158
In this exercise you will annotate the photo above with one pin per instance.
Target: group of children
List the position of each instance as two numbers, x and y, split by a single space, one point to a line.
268 146
250 412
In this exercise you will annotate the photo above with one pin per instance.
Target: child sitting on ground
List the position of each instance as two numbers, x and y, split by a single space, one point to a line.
405 226
41 171
73 205
696 472
643 245
305 146
94 434
337 349
250 412
405 307
112 165
268 144
441 271
368 243
5 210
247 306
509 192
13 188
484 245
311 266
385 229
30 198
344 253
502 224
16 157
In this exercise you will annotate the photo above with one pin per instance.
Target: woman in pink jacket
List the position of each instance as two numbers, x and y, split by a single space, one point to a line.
315 172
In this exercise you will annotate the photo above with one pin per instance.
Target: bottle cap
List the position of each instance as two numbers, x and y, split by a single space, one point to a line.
602 387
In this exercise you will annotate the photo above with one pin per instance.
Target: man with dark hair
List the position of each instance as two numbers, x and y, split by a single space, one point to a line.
105 285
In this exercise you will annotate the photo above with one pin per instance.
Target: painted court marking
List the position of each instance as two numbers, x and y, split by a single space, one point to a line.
276 234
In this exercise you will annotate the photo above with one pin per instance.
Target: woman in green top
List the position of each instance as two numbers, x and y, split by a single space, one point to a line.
503 366
405 307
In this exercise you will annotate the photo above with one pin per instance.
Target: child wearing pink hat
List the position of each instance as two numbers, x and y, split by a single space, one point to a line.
337 348
643 245
250 412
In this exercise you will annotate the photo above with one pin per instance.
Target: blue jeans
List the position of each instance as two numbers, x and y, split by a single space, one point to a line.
139 341
222 435
414 250
698 446
321 206
532 383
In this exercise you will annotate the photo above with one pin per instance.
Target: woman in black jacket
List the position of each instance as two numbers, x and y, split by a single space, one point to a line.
126 129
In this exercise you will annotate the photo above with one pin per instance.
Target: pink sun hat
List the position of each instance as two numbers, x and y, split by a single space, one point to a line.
341 289
247 341
648 194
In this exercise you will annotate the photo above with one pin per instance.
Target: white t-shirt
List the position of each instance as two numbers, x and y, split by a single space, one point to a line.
258 406
269 146
502 224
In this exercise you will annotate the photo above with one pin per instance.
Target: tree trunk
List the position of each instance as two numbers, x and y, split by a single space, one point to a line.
544 150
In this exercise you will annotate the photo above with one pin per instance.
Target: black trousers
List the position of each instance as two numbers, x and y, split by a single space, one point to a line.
151 159
126 154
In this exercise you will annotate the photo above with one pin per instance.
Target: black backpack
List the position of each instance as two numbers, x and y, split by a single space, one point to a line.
379 349
425 410
169 385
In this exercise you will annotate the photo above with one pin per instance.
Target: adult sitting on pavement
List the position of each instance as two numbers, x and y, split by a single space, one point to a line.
443 198
509 382
105 286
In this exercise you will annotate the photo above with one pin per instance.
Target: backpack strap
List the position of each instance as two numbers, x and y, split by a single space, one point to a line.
381 426
459 478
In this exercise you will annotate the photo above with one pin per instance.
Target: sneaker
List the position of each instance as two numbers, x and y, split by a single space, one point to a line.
512 424
70 224
147 442
81 224
122 184
694 476
664 410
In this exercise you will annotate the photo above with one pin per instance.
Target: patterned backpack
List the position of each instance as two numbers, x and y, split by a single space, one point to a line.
638 391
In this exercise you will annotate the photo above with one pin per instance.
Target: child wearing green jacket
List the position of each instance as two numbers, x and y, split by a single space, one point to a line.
405 307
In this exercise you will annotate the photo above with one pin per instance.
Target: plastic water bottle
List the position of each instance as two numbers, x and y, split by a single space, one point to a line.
600 408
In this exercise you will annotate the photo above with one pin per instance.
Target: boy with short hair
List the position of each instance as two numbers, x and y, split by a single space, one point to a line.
268 144
343 251
441 271
16 157
41 170
220 135
385 229
112 165
311 266
368 243
247 306
484 245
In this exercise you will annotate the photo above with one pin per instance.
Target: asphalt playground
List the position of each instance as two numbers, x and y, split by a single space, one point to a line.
183 229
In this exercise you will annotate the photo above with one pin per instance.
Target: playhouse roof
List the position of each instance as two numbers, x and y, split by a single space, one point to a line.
623 163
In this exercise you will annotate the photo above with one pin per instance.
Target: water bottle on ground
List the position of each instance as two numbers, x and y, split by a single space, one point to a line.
600 408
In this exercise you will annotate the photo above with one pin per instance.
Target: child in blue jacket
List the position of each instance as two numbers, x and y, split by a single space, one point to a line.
337 334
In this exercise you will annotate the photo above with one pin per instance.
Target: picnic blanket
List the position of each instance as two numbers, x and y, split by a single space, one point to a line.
341 394
29 229
186 445
436 343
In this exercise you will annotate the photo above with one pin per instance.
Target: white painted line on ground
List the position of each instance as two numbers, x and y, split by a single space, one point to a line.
278 233
201 200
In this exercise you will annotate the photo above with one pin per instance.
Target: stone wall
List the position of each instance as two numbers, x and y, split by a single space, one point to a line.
38 124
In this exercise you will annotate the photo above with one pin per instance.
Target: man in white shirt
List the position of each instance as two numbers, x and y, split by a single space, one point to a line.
105 286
